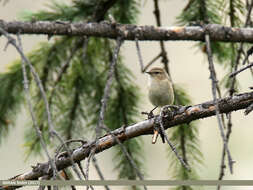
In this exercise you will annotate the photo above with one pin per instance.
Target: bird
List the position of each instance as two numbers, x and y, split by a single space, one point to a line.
160 89
160 92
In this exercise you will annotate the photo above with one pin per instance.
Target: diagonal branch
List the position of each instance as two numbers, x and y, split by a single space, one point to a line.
183 115
240 70
34 120
232 90
44 97
165 59
129 31
107 88
214 87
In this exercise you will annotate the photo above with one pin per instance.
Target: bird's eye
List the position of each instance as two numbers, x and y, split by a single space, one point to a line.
156 73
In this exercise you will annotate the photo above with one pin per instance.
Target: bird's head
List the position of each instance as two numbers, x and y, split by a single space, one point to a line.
157 73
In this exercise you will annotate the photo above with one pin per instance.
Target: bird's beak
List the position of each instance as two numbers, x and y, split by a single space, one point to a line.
148 73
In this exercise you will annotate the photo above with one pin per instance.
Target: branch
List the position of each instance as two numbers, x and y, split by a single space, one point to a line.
107 89
52 131
129 31
214 87
185 114
164 56
239 71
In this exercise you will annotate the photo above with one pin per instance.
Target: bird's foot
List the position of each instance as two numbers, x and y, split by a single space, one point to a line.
150 114
171 110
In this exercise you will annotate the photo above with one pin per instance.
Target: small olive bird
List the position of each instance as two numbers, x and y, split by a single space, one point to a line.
160 92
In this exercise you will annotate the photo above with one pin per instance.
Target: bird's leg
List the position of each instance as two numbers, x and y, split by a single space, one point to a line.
170 113
150 114
156 133
156 127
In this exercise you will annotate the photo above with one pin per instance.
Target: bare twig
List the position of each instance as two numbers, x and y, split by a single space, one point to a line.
231 92
165 59
173 148
214 84
105 99
65 66
65 174
139 54
92 153
240 70
94 161
249 109
29 102
107 89
39 84
124 150
81 169
152 61
68 142
240 50
249 52
103 108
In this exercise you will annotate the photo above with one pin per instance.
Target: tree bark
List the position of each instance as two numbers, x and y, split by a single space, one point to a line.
129 31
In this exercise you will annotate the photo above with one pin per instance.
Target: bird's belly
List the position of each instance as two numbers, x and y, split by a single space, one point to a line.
160 96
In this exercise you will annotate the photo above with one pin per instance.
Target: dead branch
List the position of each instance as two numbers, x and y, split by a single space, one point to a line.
129 31
185 114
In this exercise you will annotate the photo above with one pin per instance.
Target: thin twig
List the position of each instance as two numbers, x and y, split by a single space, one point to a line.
94 161
249 52
173 148
104 100
139 54
240 70
107 89
92 153
81 169
248 110
124 150
29 102
217 110
152 61
231 92
104 104
65 66
240 50
165 59
39 84
67 178
68 142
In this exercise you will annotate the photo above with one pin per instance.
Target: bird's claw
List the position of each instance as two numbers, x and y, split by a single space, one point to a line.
150 114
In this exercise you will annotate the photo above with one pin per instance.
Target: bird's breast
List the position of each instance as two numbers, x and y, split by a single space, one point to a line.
160 92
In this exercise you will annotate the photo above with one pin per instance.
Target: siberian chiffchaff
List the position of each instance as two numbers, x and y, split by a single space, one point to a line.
160 87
